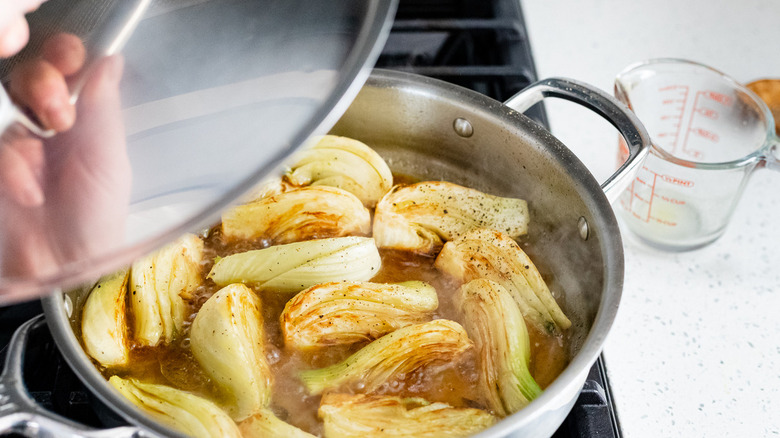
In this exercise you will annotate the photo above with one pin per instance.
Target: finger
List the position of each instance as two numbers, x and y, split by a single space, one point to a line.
39 86
20 166
13 36
65 52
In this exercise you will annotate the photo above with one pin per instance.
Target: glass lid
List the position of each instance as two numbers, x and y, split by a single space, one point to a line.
179 108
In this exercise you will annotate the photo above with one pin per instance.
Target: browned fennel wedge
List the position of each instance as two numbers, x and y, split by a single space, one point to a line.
494 322
103 321
490 254
398 353
296 215
159 283
420 217
177 409
226 339
339 313
264 424
382 416
297 266
344 163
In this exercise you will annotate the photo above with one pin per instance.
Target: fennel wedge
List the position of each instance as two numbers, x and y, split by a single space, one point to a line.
421 217
490 254
400 352
345 163
159 284
103 321
297 266
226 339
346 312
495 324
180 410
296 215
380 416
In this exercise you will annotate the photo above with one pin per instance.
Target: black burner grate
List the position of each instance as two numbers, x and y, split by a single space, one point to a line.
480 45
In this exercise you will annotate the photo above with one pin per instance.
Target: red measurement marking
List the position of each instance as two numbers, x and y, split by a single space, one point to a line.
709 135
677 181
718 97
652 196
685 91
672 200
668 117
708 113
637 196
665 222
703 133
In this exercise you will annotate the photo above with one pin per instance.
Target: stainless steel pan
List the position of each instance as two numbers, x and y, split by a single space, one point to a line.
434 130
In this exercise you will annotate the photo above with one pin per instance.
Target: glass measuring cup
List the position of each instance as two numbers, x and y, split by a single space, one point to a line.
709 133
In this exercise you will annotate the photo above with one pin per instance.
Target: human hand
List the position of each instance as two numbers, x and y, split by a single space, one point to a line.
63 199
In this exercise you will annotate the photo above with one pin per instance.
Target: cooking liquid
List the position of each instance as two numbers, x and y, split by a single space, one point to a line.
454 383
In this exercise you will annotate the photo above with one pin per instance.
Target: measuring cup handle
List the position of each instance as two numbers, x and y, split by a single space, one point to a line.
616 113
772 154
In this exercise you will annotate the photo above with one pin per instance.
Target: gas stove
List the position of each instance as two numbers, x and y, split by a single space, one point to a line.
477 44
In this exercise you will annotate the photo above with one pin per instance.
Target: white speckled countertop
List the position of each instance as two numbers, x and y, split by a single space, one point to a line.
695 349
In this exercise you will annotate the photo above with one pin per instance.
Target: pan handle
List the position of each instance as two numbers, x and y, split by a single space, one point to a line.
616 113
19 412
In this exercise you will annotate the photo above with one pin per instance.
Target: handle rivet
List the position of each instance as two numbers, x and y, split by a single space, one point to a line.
582 226
463 127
